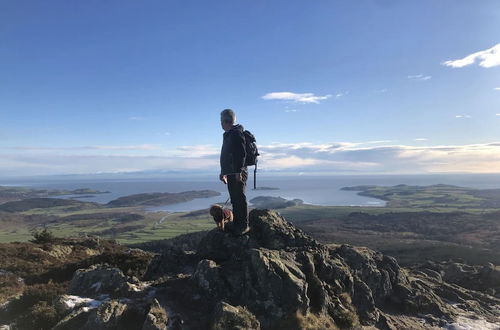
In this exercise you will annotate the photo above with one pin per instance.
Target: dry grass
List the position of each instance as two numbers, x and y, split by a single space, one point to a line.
308 321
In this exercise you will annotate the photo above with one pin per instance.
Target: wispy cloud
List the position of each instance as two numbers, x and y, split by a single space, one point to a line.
136 118
463 116
295 97
341 94
421 139
487 58
96 147
419 77
497 88
498 114
381 91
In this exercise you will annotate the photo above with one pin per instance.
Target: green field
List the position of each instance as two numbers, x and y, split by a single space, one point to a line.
19 226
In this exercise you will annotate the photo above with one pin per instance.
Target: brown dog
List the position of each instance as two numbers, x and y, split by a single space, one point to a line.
221 216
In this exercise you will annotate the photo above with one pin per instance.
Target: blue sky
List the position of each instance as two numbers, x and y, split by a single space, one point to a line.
326 86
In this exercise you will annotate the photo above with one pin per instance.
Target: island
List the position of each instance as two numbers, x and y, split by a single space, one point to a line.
10 194
270 202
433 196
160 199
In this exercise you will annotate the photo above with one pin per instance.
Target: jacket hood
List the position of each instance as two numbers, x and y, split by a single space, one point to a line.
237 127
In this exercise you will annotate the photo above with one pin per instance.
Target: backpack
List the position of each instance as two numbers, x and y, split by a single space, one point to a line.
251 149
252 154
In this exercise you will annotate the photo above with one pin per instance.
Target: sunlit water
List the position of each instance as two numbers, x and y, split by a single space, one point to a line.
312 189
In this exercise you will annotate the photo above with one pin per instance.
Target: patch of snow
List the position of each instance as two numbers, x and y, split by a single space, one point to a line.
134 287
464 323
73 301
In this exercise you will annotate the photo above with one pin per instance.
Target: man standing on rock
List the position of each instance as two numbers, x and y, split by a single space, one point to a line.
234 173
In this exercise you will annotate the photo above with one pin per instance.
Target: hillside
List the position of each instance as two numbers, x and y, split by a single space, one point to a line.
276 277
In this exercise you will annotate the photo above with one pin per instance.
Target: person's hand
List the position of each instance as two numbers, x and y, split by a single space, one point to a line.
223 178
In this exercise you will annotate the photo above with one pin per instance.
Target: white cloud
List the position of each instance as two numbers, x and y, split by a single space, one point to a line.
419 77
498 114
136 118
333 157
295 97
381 91
195 151
291 110
497 88
421 139
487 58
463 116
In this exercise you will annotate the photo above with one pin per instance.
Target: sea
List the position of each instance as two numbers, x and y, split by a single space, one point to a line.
317 190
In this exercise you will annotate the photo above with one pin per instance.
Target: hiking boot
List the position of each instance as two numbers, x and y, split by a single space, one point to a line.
241 232
245 231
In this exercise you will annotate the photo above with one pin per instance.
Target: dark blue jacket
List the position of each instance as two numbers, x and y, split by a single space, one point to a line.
233 153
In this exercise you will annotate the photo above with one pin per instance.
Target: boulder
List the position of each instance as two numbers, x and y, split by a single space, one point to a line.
207 276
98 280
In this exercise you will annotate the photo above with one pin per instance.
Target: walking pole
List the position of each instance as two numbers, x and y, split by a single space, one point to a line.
255 177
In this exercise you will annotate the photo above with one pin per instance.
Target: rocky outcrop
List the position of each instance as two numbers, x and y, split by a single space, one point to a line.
275 277
485 278
277 272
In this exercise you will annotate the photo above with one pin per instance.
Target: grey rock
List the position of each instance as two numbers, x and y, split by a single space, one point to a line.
98 280
206 276
74 320
107 316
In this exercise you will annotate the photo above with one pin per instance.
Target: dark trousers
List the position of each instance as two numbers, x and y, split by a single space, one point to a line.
238 199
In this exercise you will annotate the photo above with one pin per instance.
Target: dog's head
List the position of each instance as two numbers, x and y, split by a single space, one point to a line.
217 213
